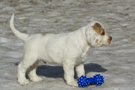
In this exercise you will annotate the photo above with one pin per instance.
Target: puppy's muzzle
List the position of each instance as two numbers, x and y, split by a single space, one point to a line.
109 39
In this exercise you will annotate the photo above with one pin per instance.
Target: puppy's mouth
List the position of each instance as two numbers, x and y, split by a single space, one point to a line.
103 45
108 41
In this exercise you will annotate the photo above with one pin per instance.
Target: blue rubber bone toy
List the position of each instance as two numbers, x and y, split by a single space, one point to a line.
97 80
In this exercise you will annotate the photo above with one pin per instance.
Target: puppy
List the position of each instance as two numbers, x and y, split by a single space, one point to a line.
66 49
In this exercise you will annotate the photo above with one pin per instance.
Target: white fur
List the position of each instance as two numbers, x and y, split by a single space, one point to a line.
66 49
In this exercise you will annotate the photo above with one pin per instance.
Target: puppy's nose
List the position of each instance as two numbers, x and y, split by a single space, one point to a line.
110 38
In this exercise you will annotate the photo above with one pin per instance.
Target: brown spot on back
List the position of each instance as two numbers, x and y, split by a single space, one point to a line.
98 29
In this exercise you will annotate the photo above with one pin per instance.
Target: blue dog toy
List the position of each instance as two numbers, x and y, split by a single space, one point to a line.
97 80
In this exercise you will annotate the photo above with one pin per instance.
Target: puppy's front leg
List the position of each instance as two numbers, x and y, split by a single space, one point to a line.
69 74
80 70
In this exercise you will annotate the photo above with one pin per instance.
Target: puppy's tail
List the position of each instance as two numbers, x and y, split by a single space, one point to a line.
20 35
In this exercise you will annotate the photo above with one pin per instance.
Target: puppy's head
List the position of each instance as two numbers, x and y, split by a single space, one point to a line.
98 36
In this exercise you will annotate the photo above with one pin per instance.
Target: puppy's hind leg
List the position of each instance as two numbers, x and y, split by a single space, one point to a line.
28 61
32 73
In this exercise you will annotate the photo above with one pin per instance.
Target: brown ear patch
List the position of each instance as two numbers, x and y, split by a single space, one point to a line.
98 29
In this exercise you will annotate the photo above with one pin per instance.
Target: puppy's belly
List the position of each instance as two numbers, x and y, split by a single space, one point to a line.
51 60
59 60
77 62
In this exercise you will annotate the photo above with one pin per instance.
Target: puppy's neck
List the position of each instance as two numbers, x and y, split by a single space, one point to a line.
86 35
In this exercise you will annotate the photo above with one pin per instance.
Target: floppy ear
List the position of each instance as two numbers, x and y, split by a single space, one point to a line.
98 29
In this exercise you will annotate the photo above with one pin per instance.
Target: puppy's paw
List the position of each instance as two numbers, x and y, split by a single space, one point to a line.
36 79
73 84
23 82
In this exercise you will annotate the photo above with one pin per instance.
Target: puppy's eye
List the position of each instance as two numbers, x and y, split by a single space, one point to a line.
103 32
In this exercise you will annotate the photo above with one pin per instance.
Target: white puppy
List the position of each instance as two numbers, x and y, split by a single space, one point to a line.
66 49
